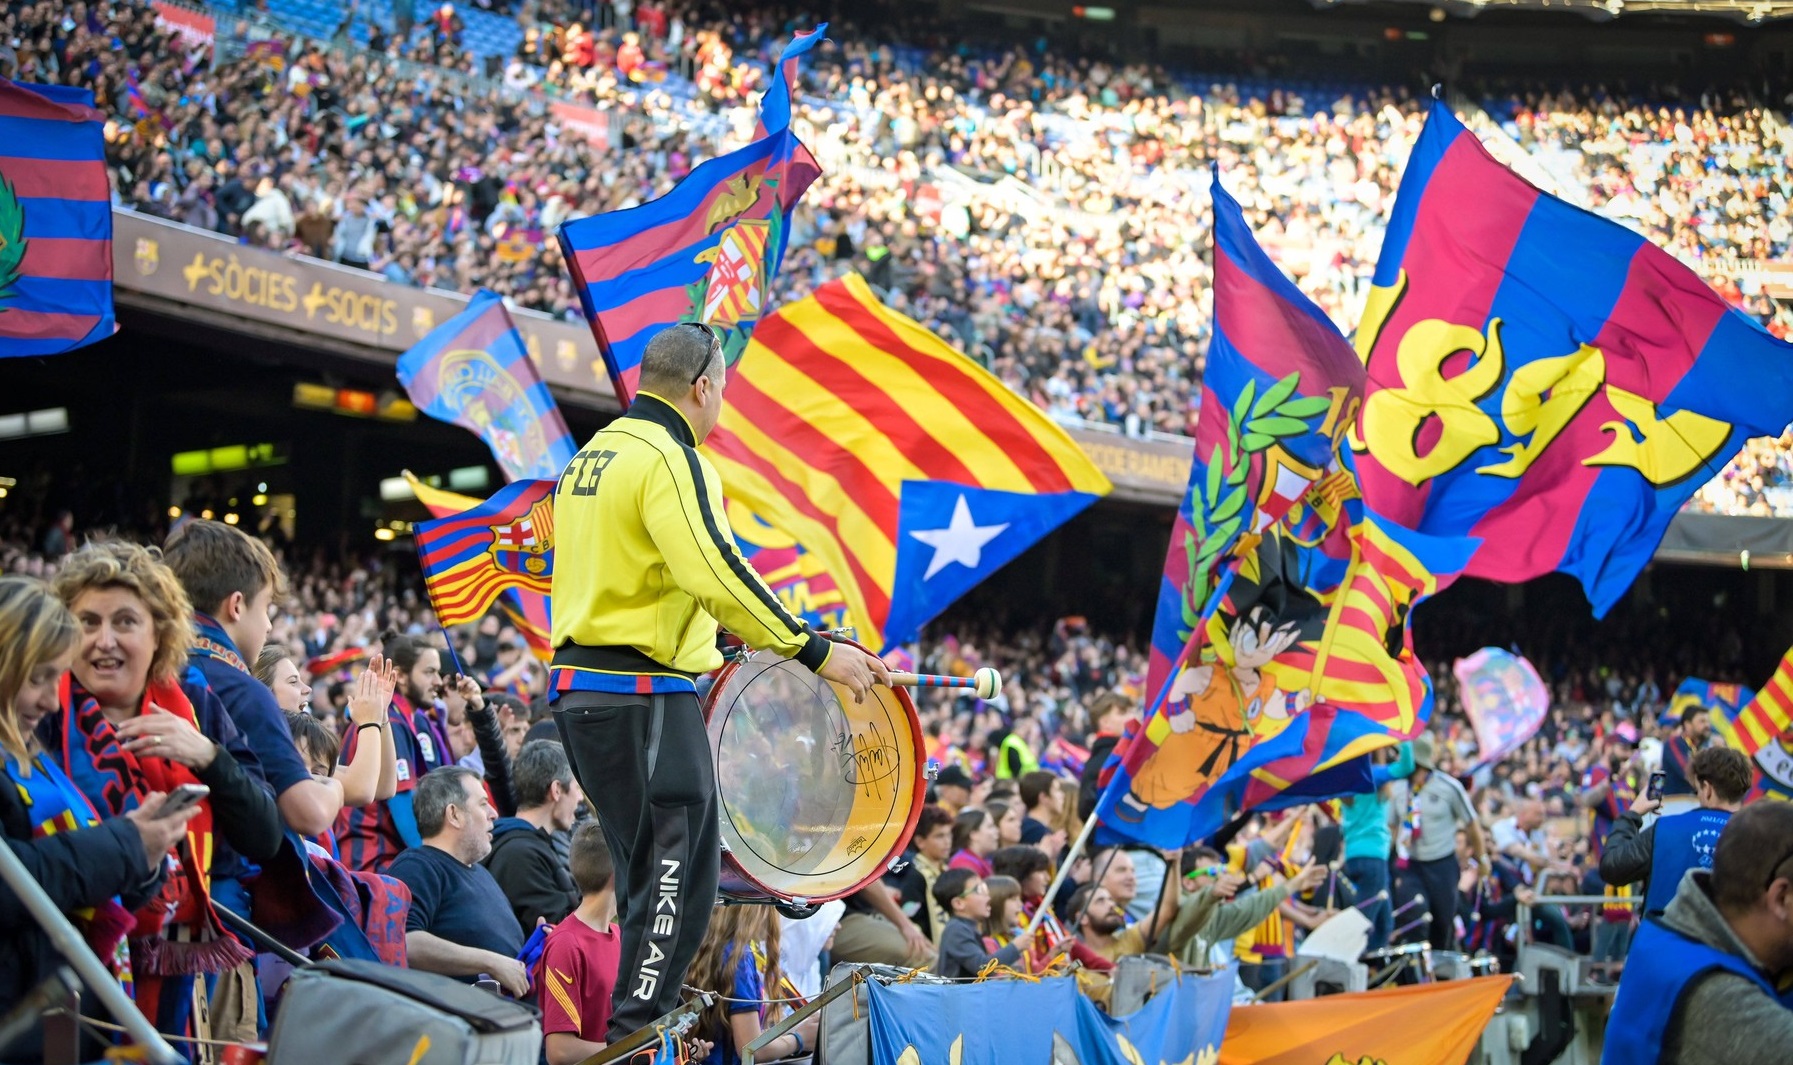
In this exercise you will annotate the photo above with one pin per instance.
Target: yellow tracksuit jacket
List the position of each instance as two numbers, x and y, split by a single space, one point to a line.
645 564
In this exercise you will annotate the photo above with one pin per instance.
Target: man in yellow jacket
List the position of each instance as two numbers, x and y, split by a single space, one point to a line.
644 568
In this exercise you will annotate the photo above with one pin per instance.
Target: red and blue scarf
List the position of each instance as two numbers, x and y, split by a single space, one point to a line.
211 640
177 933
55 806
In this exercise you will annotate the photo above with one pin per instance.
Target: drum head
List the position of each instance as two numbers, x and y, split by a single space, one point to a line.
818 793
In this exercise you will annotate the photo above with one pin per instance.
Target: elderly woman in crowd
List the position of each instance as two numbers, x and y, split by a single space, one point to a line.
94 871
126 728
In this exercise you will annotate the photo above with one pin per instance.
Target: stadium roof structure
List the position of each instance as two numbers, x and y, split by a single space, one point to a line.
1746 11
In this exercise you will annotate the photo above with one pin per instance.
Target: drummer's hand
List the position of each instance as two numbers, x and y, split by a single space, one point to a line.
854 669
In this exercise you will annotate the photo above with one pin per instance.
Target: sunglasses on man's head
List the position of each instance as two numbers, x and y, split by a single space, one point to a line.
715 345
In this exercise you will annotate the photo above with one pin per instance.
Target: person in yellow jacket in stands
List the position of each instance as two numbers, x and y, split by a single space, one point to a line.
645 566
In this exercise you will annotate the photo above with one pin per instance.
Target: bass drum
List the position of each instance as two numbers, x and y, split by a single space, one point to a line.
819 794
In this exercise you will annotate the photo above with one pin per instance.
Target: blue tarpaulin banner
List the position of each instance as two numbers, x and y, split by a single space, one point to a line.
920 1024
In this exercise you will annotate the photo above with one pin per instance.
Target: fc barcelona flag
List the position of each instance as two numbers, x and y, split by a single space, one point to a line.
474 371
907 468
706 251
55 221
525 608
505 542
1545 379
1281 387
1281 655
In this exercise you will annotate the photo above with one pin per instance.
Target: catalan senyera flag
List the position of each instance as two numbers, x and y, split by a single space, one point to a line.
1768 714
1427 1024
706 251
525 608
907 468
55 221
505 542
474 370
1545 379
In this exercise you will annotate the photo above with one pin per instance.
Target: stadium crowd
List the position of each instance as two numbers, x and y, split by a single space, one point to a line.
1046 214
428 784
465 829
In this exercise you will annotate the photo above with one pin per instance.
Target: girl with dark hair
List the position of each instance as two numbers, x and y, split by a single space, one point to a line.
975 838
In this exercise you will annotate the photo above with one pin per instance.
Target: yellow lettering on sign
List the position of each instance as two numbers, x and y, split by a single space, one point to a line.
1570 380
1671 447
1394 417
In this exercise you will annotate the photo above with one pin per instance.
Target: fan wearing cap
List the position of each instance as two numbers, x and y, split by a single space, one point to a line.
952 789
1438 808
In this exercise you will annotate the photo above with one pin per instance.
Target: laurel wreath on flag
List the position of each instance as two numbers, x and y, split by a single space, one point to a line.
1258 422
12 238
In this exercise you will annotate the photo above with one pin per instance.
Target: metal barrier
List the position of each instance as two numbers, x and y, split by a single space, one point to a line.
1524 922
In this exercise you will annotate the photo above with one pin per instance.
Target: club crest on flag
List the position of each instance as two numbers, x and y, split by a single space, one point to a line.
526 546
473 386
735 289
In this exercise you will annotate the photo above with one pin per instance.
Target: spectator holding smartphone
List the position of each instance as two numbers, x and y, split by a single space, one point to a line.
95 871
1663 852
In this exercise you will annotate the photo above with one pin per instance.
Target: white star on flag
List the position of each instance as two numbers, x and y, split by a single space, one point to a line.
962 541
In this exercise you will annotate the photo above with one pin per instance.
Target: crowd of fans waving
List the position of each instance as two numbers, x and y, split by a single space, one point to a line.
333 725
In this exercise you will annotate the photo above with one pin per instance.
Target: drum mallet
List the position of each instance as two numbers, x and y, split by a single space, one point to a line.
986 682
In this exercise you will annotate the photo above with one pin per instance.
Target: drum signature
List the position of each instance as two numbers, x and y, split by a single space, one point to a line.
866 759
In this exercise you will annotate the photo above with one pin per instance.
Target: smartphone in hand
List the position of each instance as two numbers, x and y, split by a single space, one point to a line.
182 797
1655 790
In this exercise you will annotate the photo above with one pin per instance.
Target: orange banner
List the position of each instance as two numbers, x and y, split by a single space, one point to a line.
1436 1024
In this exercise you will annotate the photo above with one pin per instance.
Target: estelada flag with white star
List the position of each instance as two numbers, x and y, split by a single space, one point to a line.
910 470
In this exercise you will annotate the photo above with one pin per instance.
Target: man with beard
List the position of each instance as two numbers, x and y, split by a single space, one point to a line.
1607 788
1677 754
370 837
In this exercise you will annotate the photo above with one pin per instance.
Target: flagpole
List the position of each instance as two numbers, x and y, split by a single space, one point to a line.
1064 873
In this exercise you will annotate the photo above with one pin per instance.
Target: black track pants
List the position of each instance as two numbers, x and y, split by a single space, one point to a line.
644 763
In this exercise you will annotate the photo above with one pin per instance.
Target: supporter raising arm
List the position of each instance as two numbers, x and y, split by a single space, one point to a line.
371 776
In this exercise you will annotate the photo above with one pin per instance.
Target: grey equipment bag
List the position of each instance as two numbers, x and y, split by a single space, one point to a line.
352 1012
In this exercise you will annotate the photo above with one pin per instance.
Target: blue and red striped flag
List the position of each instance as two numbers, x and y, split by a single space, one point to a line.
706 251
505 542
1545 379
525 608
473 370
55 221
1284 605
1281 387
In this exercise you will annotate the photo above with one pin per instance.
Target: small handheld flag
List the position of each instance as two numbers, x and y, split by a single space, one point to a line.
505 542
